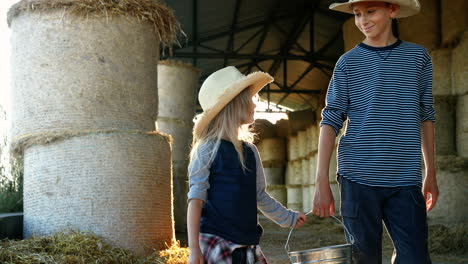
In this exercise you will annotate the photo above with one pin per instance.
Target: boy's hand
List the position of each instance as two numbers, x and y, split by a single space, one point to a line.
323 203
301 219
430 191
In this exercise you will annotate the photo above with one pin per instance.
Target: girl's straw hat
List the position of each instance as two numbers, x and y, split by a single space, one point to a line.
221 87
407 7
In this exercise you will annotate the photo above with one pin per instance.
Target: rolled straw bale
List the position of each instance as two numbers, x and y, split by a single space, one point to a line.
274 176
452 186
300 120
462 126
282 128
422 28
306 176
442 72
72 73
454 20
294 172
306 198
293 148
177 90
445 125
272 149
117 185
313 134
278 192
264 129
308 149
302 143
294 196
313 167
351 34
460 66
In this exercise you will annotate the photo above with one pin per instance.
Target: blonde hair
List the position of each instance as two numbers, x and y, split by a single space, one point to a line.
228 125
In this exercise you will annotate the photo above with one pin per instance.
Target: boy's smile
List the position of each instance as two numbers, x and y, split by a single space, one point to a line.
374 19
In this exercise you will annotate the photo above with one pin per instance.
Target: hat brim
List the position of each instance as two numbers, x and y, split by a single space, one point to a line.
255 81
405 10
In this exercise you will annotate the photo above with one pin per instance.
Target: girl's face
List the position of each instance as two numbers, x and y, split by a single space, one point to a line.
374 19
250 111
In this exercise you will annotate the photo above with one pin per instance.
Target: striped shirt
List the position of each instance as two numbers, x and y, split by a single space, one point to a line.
384 93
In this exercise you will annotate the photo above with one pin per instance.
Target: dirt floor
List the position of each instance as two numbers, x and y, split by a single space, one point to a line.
318 233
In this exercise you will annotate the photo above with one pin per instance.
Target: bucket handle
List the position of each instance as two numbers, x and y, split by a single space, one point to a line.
351 238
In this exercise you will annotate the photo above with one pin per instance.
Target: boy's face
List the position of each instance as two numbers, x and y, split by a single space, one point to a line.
374 18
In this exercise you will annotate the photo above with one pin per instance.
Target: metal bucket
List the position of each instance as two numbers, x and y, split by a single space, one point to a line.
339 254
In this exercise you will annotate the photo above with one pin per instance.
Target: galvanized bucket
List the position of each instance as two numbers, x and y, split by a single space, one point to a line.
339 254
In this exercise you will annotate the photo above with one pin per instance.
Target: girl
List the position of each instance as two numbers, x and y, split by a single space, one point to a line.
383 89
226 177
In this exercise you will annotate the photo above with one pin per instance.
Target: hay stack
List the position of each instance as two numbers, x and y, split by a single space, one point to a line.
282 128
462 126
264 129
84 94
177 89
445 125
115 185
294 197
293 148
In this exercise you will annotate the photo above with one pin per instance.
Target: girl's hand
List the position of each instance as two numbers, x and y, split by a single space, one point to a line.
301 219
196 257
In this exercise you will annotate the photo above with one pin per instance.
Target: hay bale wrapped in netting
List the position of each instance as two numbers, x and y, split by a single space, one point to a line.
294 172
278 192
460 66
307 192
313 167
264 129
302 143
306 176
442 72
445 125
282 128
351 34
116 184
294 197
272 149
293 148
462 126
85 64
452 179
177 89
422 28
454 20
313 135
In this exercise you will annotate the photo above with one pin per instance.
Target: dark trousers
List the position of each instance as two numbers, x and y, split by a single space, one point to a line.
402 210
239 256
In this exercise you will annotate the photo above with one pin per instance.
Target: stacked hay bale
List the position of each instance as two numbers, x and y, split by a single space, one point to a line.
294 177
84 99
454 20
272 148
177 89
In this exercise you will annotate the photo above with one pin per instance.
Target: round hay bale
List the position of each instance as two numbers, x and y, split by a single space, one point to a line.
451 205
294 196
116 185
442 73
278 192
282 128
273 149
274 176
306 176
454 20
307 193
264 129
72 73
312 168
313 135
302 143
423 28
181 133
460 65
294 172
293 148
445 125
462 126
177 90
351 34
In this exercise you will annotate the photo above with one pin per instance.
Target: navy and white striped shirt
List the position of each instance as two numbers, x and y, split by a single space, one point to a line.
384 93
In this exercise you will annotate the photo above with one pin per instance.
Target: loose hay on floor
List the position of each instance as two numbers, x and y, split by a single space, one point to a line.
75 247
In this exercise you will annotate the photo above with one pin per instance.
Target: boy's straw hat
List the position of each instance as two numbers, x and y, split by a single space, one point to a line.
407 7
221 87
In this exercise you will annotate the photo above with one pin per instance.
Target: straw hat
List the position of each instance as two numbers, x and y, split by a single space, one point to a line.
407 7
221 87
